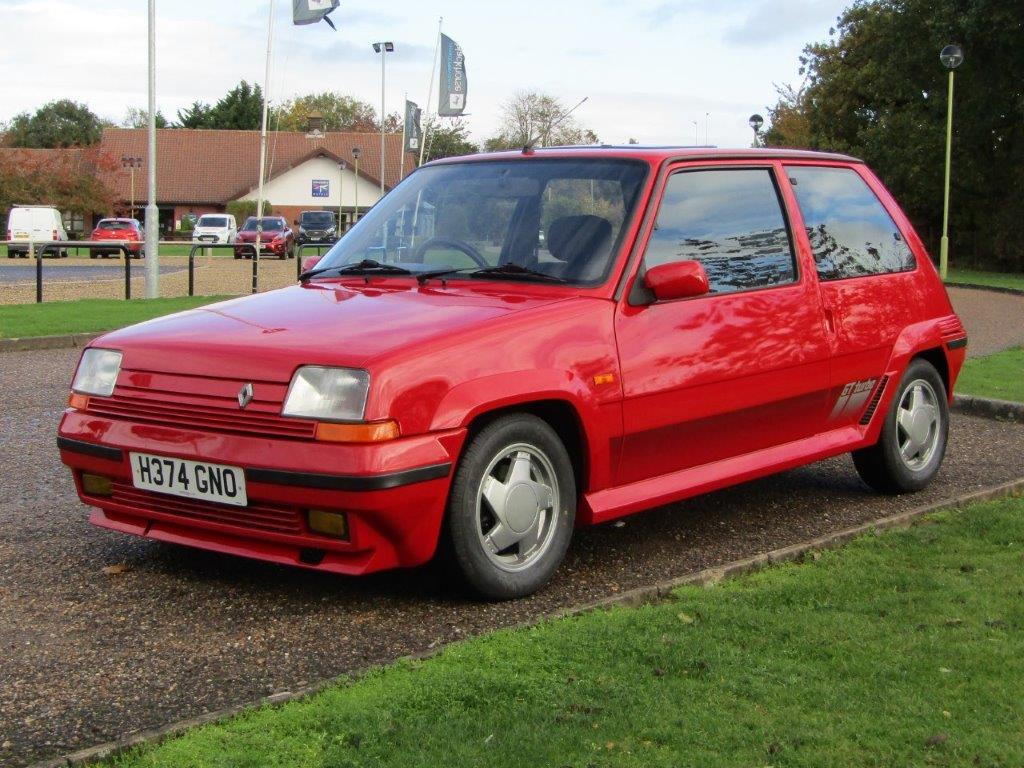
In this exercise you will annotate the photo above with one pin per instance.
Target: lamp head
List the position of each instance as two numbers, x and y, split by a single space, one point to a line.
755 122
356 152
952 56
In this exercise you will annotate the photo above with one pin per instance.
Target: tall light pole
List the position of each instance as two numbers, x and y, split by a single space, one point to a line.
341 197
952 56
356 153
152 212
131 163
707 128
755 122
696 133
383 49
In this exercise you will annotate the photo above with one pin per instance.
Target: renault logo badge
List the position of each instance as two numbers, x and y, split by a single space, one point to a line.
245 395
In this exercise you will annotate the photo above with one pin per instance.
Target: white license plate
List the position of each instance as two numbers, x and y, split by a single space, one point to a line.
191 479
21 235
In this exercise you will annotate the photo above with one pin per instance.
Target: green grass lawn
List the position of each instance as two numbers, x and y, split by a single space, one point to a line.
905 649
1000 376
980 277
86 315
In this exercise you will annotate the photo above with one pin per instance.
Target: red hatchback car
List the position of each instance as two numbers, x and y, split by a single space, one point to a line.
128 230
689 320
276 239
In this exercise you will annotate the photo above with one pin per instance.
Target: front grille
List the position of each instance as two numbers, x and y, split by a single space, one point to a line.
873 405
261 517
217 417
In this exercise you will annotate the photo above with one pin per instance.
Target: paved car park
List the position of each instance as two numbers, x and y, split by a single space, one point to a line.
102 633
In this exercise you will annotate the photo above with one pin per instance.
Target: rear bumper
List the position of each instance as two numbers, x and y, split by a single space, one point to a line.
393 494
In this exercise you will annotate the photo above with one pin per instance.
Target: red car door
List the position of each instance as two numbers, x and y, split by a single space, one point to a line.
742 368
865 271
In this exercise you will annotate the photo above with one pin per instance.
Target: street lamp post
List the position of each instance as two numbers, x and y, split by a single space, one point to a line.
755 123
696 133
952 56
131 163
383 49
356 153
341 196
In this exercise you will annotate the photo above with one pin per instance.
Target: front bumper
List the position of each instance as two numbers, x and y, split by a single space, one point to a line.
393 493
248 248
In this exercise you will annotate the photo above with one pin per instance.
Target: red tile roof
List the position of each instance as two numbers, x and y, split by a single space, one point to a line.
215 167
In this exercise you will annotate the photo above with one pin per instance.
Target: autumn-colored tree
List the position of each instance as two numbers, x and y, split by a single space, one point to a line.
68 180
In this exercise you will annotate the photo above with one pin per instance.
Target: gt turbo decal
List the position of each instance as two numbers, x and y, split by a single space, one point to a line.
853 398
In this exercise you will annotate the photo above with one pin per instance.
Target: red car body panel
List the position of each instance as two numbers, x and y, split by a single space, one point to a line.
662 401
130 234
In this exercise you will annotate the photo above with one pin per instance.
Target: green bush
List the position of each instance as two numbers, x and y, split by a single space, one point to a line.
243 209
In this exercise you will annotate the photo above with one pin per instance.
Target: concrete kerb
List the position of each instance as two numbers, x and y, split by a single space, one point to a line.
33 343
633 598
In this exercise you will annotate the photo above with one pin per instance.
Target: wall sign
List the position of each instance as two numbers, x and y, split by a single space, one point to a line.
321 188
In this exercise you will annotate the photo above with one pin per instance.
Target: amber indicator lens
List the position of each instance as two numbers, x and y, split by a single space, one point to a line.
77 401
97 485
328 523
357 433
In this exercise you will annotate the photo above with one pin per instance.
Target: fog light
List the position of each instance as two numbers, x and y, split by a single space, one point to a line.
328 523
97 485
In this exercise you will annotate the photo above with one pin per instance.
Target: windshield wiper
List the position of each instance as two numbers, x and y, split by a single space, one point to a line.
364 267
517 271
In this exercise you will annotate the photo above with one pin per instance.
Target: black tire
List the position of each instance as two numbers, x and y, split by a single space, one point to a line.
94 254
463 531
883 465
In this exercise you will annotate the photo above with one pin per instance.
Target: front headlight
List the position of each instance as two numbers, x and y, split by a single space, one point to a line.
328 394
97 372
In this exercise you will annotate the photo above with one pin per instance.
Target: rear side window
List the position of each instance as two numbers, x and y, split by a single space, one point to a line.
731 221
851 233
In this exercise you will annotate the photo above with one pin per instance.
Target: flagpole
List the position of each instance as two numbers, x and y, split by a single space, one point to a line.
430 90
263 151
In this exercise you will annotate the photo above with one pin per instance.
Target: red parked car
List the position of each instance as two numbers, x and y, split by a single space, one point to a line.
118 229
277 238
692 319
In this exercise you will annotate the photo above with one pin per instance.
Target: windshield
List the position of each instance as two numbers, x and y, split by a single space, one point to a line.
213 221
317 219
269 225
562 218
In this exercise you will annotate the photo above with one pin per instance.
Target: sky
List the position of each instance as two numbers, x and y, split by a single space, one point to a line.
650 69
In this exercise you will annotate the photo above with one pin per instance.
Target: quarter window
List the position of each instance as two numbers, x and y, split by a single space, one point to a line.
851 233
731 221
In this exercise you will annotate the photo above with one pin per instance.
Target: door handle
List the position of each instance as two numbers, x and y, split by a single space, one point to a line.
830 320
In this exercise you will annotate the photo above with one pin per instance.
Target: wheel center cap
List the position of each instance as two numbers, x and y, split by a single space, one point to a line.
919 427
521 508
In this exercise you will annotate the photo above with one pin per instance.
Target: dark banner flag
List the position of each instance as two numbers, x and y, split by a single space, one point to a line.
313 11
413 127
452 101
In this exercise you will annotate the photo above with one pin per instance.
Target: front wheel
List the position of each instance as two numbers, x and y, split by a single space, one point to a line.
512 507
910 449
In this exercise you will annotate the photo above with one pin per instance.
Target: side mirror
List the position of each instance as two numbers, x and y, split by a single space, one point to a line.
310 262
677 280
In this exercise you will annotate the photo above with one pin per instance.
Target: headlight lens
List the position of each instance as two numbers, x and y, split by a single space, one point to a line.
328 394
97 372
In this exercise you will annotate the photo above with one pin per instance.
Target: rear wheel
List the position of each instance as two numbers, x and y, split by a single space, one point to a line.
912 444
512 506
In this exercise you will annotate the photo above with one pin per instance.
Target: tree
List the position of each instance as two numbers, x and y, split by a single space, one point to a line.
196 116
531 116
876 90
63 123
139 118
69 181
447 139
240 109
339 111
789 124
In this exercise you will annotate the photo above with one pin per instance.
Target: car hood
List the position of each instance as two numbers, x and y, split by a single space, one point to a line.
266 336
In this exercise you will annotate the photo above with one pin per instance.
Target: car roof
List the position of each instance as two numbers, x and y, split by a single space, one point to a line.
656 154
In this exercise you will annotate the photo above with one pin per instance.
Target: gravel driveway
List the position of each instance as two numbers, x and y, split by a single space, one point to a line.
86 657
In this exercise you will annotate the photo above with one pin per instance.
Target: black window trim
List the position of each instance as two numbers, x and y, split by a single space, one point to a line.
852 168
642 242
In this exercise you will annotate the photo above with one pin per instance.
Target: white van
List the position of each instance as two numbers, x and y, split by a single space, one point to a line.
215 228
38 223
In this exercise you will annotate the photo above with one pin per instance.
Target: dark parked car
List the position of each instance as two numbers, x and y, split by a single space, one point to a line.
316 227
277 238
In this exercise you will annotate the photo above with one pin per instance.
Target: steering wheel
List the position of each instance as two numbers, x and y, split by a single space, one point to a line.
448 242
